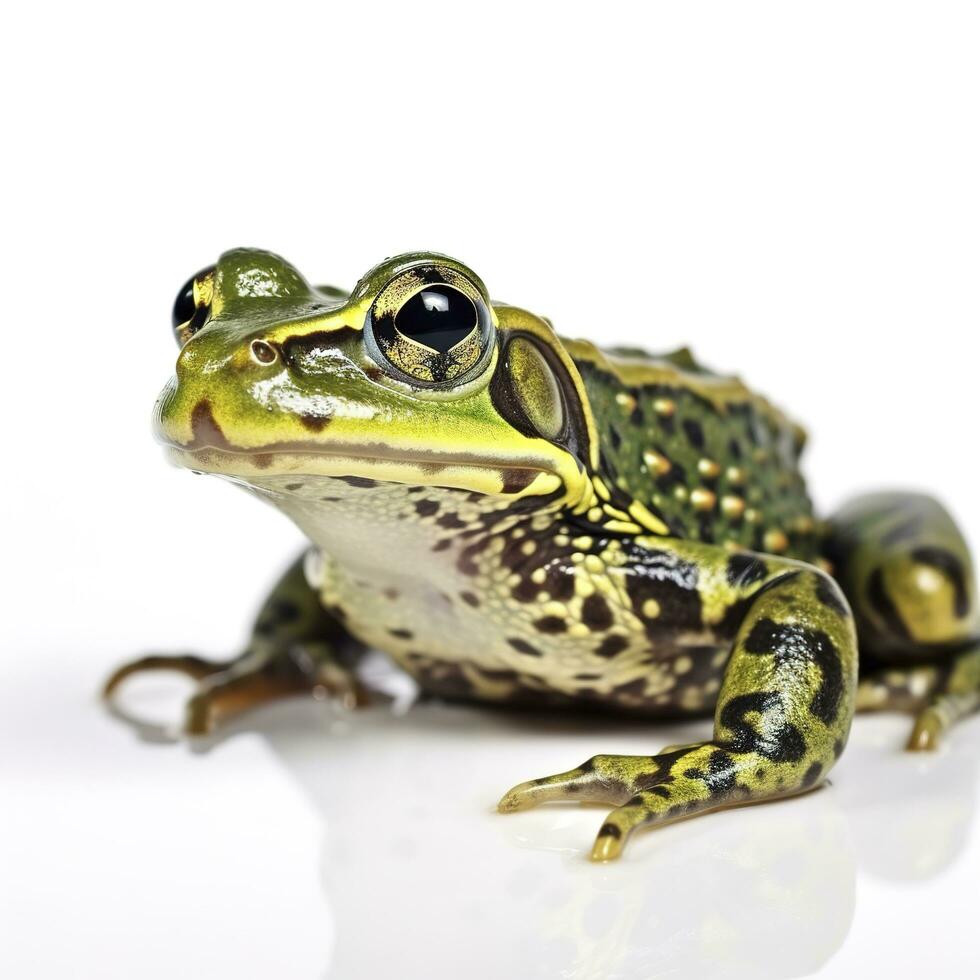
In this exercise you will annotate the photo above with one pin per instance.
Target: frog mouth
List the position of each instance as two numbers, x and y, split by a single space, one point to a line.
369 464
210 451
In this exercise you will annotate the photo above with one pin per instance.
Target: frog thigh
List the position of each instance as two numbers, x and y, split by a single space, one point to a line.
908 575
783 715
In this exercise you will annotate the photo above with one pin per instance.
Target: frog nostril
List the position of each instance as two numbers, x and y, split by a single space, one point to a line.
262 352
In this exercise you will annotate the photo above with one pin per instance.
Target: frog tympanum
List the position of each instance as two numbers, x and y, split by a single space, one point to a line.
519 518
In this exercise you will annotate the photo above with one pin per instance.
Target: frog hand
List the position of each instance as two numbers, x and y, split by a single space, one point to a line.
227 688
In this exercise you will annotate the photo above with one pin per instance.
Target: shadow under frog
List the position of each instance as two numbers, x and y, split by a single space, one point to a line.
411 873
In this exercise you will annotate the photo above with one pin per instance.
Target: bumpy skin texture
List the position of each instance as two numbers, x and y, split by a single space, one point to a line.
514 517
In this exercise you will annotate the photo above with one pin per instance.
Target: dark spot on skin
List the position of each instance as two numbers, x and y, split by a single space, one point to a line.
515 480
470 599
587 677
596 613
550 624
668 579
830 595
631 694
522 646
560 582
745 570
610 830
525 591
451 522
426 508
720 777
952 568
611 646
499 675
466 562
662 791
331 500
390 594
294 486
205 430
513 557
442 544
614 437
734 449
734 616
362 482
881 603
402 634
775 739
694 432
812 774
314 423
795 646
721 773
838 748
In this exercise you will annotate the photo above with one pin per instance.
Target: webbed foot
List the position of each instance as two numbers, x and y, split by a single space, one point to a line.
659 789
939 695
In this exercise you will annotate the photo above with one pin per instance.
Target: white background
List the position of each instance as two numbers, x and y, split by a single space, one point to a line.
791 188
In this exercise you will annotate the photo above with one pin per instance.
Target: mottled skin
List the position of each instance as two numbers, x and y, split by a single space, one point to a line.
514 517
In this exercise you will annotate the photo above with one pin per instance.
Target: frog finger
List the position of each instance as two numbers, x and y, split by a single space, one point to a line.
188 664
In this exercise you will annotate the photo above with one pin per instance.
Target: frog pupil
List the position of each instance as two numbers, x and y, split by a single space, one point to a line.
437 316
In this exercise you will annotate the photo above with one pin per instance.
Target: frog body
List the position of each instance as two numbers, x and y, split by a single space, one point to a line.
520 518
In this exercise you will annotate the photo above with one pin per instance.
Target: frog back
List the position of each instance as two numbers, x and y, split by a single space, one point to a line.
712 459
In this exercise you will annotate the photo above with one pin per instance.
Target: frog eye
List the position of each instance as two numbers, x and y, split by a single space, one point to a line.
192 307
430 326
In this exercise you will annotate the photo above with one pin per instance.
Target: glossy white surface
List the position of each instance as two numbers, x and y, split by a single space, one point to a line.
315 843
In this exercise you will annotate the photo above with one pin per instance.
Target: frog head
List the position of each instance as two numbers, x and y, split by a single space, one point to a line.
413 378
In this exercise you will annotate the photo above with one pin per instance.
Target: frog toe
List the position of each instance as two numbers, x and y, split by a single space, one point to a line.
935 720
619 824
602 779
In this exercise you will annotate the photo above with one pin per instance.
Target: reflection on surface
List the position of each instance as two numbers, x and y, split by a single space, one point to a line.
423 877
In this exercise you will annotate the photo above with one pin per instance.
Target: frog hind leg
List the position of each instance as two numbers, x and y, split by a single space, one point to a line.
908 575
293 650
782 718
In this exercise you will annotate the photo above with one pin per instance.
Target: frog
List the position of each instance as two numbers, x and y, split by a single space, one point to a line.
522 519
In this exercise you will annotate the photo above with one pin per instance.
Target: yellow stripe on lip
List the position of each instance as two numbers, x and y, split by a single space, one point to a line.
497 479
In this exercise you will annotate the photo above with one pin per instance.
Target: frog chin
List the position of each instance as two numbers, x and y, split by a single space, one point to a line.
286 470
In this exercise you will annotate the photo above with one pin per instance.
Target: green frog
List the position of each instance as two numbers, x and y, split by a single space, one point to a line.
518 518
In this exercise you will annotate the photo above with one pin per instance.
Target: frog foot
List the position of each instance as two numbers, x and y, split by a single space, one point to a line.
228 688
939 695
658 789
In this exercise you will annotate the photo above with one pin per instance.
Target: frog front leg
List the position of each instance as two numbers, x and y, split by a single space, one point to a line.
782 717
907 573
293 650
